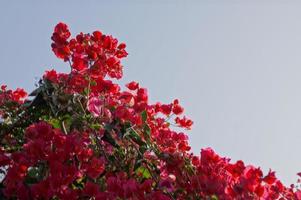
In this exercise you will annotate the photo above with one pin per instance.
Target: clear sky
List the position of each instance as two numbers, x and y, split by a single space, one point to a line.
234 65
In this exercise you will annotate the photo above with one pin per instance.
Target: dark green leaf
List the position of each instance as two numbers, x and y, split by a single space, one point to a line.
147 131
96 126
33 172
144 116
55 123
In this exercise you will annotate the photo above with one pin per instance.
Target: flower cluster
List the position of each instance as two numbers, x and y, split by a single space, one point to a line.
99 52
16 96
217 176
10 102
49 151
82 137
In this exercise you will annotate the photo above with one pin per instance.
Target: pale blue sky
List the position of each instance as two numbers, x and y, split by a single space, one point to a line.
234 65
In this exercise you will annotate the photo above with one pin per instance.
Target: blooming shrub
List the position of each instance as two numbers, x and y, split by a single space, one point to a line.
79 136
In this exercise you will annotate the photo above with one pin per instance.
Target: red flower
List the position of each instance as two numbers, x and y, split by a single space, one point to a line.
209 156
259 190
91 189
97 35
121 46
109 42
166 109
3 87
132 85
79 63
142 94
270 178
19 94
60 46
195 160
4 159
95 167
51 76
62 30
112 61
184 122
177 109
236 169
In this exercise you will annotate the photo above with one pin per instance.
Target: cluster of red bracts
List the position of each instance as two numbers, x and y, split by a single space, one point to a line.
53 163
99 52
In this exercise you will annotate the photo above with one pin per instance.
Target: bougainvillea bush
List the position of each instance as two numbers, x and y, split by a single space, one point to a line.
80 136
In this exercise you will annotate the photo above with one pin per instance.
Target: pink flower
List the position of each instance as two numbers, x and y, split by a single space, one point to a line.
95 106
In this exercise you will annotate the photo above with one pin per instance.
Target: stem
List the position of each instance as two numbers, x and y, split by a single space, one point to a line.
64 128
89 87
70 64
81 106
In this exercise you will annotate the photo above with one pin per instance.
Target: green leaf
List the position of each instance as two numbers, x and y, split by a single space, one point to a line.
147 130
67 120
93 83
33 172
78 184
86 91
109 127
143 148
144 116
55 123
127 125
33 175
134 134
96 126
214 197
144 172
